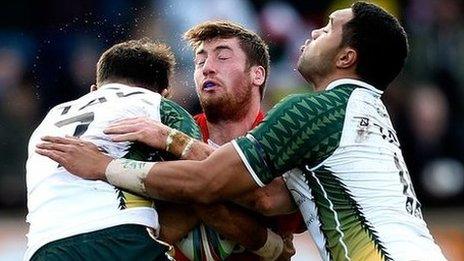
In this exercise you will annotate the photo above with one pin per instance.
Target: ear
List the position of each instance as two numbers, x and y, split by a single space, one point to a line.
93 87
258 75
165 93
347 58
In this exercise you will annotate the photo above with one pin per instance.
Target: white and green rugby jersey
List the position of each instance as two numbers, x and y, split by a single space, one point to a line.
347 173
62 205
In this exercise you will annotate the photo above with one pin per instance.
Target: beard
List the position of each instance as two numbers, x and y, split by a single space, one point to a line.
313 67
226 107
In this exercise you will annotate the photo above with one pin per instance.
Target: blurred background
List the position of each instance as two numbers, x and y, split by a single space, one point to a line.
48 52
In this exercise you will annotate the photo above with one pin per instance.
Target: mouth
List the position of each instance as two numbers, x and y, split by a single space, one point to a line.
209 86
307 42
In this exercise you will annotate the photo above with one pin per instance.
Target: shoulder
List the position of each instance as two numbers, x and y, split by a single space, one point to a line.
174 116
57 110
169 107
316 102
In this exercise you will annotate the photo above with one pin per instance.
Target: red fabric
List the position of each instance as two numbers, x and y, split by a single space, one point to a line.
292 223
203 124
178 255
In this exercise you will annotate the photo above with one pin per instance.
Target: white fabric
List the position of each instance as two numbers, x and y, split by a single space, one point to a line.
62 205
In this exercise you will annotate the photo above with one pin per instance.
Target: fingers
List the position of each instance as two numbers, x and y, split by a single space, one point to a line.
120 129
129 125
124 137
53 146
52 154
126 121
130 122
64 143
61 140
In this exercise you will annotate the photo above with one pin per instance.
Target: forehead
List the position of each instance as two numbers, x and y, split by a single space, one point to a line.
341 17
217 44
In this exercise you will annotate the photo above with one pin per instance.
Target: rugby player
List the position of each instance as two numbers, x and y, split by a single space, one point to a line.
76 219
349 177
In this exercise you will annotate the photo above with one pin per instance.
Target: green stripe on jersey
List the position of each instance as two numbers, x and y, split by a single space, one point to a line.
303 129
348 234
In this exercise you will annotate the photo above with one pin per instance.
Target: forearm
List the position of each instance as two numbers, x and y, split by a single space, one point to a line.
234 223
240 225
176 220
273 199
221 176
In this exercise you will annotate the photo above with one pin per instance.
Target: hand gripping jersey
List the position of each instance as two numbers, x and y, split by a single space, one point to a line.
62 205
348 174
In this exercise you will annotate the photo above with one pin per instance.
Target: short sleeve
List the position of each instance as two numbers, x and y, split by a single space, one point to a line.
174 116
301 130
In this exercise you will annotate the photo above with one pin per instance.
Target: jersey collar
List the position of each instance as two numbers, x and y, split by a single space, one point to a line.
353 82
113 85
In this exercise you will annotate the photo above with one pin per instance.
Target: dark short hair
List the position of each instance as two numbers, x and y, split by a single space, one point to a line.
255 49
380 41
143 63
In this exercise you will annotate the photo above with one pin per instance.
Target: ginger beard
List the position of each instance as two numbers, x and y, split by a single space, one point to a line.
227 103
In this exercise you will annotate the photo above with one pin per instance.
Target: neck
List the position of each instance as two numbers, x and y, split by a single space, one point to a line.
321 83
225 130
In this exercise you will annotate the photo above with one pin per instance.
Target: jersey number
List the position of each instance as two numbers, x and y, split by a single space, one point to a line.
84 119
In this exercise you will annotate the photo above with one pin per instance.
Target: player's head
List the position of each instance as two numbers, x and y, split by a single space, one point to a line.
141 63
231 67
363 41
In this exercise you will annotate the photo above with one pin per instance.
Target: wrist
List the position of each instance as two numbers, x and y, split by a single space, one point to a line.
128 174
101 168
273 247
164 133
178 143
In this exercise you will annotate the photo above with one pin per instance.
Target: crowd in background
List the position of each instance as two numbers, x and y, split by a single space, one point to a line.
48 52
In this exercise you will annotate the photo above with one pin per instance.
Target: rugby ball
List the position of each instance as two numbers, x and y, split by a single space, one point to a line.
205 244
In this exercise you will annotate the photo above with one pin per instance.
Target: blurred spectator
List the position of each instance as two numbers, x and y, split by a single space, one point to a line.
437 45
432 148
18 111
285 31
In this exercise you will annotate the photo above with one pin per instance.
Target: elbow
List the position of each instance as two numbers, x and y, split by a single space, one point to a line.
262 203
265 206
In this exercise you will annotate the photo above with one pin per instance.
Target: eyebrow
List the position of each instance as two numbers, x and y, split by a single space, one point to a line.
217 48
331 21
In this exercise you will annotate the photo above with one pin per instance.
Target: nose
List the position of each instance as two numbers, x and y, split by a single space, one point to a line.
208 67
315 33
